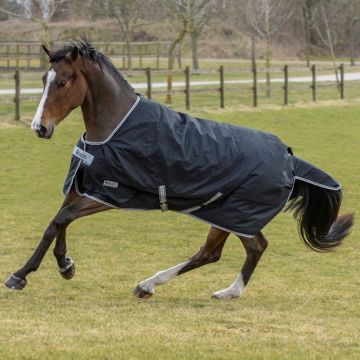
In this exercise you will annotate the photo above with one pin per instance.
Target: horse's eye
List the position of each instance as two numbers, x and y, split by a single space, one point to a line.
62 83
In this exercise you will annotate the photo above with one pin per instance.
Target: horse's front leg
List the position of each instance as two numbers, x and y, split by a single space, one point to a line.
67 214
66 265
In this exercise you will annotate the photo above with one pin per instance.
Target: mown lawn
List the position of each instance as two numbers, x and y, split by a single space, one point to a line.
299 304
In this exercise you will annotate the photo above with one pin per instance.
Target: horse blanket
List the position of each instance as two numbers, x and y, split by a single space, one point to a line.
232 177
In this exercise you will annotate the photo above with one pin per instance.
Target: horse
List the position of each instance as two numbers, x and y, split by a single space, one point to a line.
233 178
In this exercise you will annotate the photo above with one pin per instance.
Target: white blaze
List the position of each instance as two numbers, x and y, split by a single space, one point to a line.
35 124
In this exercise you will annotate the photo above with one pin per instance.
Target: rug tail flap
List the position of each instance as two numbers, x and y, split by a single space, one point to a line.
309 173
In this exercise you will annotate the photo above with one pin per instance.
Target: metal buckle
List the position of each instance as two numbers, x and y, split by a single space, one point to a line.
162 198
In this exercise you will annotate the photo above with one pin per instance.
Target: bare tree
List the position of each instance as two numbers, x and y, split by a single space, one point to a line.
328 28
266 18
39 11
177 15
192 16
129 14
309 8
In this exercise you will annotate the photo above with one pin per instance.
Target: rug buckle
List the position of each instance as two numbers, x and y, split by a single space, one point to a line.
162 198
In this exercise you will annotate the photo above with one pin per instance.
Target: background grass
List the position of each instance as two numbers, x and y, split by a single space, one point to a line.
299 304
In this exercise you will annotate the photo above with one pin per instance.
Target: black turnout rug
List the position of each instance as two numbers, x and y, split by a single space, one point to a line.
232 177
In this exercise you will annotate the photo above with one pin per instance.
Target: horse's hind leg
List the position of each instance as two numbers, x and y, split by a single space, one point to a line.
68 213
254 249
210 252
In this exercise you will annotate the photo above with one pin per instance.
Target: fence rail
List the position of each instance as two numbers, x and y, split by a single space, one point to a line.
28 55
251 85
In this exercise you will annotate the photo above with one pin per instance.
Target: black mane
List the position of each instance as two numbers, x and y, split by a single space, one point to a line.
87 51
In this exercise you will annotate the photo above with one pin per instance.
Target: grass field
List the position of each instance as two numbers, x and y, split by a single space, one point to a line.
299 304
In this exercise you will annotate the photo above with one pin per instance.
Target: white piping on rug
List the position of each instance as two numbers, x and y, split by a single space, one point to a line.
179 212
116 128
217 226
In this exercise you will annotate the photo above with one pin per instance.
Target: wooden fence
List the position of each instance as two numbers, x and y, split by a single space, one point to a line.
221 87
28 55
222 83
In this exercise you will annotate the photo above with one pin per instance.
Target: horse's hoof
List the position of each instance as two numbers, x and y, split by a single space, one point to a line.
68 271
223 294
141 293
15 283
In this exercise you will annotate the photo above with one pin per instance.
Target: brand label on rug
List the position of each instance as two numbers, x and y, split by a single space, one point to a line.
109 183
83 155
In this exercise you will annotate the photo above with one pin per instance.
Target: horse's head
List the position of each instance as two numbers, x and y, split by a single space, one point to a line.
64 90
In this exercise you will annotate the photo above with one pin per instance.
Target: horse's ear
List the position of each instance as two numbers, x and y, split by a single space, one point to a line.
74 53
49 52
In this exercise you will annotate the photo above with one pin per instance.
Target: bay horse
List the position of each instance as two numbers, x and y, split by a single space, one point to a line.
81 76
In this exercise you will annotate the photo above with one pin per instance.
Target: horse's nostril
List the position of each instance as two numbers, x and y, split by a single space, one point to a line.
42 131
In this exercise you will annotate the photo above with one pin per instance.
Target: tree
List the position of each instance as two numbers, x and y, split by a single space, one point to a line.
129 14
328 27
309 18
39 11
192 16
266 18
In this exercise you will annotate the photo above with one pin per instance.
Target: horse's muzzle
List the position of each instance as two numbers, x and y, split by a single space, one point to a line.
44 133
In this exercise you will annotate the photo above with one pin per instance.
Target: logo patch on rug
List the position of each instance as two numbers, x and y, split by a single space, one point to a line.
109 183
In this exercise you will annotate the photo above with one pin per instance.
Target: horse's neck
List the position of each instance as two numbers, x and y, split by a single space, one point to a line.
105 104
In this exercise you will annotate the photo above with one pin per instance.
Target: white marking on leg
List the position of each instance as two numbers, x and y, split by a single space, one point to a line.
235 290
162 277
35 124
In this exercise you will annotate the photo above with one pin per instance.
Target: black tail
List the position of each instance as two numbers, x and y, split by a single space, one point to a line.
316 209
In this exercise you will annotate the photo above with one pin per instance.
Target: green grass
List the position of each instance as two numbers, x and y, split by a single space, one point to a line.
298 305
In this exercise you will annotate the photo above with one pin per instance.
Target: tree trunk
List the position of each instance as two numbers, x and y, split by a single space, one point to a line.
268 56
129 49
172 48
310 33
46 39
46 33
194 49
306 16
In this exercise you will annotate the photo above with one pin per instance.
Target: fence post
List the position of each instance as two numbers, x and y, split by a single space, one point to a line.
187 88
222 87
148 79
17 94
342 83
286 85
313 86
254 88
168 99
